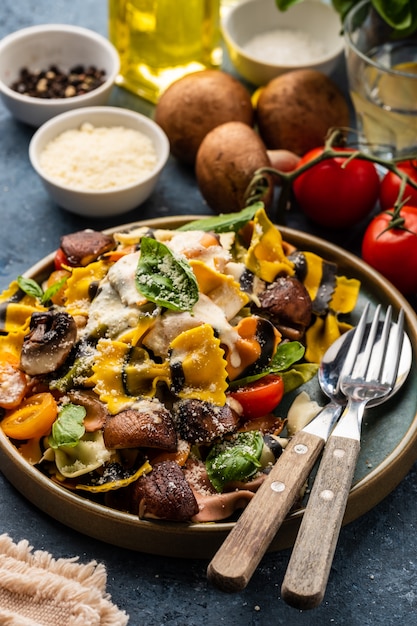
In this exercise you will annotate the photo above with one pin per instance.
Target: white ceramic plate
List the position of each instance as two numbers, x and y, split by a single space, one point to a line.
389 443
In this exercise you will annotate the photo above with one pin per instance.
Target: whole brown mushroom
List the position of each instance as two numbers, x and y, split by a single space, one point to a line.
296 110
226 162
195 104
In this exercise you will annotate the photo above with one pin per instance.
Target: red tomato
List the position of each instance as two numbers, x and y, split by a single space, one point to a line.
60 259
390 186
335 196
393 252
260 397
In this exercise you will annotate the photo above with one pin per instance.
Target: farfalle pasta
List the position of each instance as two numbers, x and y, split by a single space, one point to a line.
121 372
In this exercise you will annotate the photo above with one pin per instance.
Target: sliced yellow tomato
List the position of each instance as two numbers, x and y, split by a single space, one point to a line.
13 383
33 418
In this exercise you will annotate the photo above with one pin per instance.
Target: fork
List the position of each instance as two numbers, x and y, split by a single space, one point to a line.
367 374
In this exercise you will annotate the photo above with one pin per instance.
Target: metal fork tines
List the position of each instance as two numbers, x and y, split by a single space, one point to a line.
370 372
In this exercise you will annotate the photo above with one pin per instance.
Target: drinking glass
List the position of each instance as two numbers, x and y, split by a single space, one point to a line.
382 75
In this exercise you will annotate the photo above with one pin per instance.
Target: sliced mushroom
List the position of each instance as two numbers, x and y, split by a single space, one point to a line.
148 425
97 412
164 494
49 342
202 422
85 246
287 303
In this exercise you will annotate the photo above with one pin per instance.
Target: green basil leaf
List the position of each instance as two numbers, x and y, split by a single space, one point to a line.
53 289
298 375
225 222
30 287
68 428
285 356
237 459
165 278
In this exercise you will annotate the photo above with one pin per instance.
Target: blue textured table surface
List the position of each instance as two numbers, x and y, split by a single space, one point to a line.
374 576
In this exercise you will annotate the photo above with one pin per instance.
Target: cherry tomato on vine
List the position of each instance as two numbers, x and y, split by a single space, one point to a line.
335 193
390 186
33 418
260 397
393 251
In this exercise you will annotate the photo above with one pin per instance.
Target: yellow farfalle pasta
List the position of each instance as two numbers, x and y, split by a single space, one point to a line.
203 367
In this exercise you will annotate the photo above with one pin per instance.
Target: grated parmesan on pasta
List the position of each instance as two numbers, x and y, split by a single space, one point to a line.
98 158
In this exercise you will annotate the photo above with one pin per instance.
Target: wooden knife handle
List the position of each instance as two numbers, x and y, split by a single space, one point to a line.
308 570
237 558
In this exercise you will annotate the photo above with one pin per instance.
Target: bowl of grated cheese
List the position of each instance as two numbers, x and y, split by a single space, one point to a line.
99 161
264 42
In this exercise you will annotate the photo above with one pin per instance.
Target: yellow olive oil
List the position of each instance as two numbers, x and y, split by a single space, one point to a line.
160 41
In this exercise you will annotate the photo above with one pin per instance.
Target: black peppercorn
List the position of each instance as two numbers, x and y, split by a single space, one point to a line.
55 83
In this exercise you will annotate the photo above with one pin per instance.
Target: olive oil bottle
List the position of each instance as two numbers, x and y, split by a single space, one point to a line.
160 41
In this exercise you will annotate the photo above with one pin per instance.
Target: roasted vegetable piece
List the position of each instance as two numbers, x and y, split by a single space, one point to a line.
148 425
202 422
49 342
13 383
85 246
287 304
164 494
33 418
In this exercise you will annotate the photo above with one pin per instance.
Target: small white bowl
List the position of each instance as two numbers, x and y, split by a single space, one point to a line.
254 18
38 47
107 202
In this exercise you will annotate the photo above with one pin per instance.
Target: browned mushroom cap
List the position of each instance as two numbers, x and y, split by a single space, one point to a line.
49 342
97 412
203 422
287 303
85 246
148 425
164 494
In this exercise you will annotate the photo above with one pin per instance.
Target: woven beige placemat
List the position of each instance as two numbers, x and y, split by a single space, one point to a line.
39 590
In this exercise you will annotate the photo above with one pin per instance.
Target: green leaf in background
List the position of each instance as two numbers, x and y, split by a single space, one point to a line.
401 15
165 278
68 428
237 459
226 222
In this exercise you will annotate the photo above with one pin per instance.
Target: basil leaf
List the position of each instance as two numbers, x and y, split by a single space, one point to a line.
30 287
53 289
298 375
285 356
237 459
68 428
224 223
165 278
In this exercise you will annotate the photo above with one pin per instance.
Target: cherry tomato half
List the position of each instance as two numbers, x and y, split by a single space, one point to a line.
335 195
33 418
393 251
390 186
60 259
260 397
13 383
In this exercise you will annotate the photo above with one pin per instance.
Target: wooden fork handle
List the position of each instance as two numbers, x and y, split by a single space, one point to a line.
237 558
308 570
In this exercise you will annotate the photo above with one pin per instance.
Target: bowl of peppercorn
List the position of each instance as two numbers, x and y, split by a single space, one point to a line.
52 68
